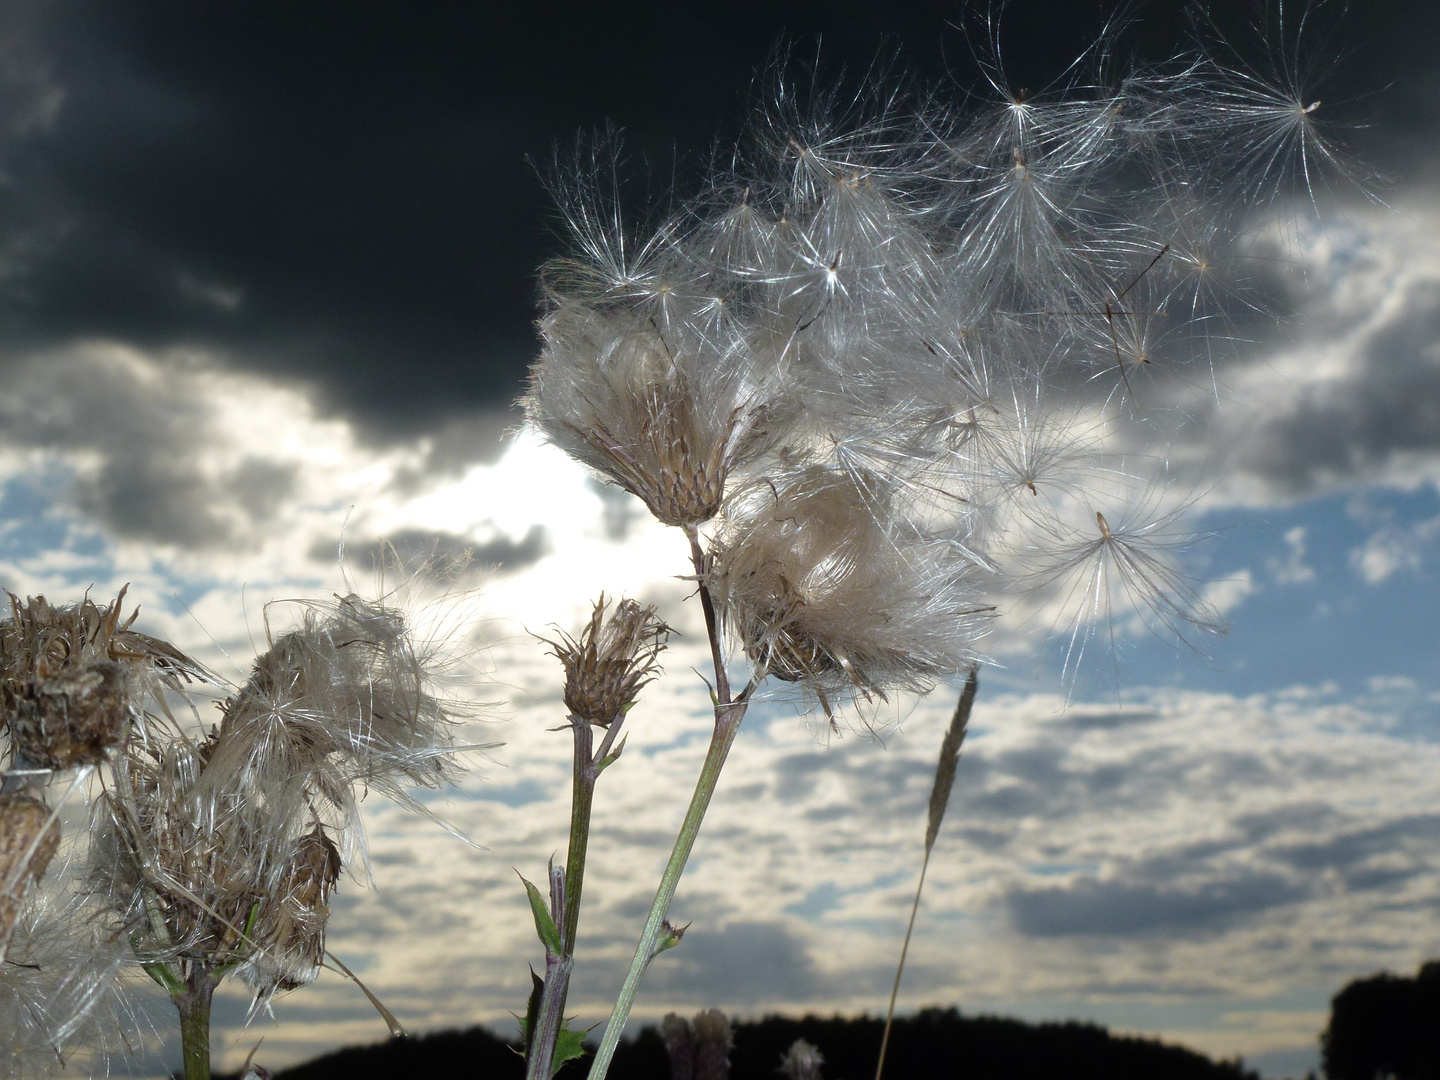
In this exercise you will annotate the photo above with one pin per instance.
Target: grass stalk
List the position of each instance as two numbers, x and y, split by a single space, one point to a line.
939 800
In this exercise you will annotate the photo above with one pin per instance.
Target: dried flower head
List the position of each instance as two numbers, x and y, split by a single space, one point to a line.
73 678
221 853
29 837
611 661
820 590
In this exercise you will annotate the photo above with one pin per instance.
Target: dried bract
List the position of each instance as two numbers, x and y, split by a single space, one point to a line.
611 661
291 930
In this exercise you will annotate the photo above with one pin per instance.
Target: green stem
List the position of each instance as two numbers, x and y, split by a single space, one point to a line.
194 1008
900 968
581 800
727 725
728 714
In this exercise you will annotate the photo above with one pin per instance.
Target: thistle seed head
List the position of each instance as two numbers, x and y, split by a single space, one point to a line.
74 678
667 414
820 590
611 661
29 837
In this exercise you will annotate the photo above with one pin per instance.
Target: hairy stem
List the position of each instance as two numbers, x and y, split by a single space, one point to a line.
728 714
193 1004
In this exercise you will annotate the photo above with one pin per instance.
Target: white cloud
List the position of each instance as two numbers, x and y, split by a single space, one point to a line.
1292 570
1390 550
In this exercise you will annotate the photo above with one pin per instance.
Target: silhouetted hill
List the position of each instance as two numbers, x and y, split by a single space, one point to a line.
936 1044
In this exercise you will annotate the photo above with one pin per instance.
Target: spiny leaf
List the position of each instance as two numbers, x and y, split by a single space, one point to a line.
569 1045
532 1011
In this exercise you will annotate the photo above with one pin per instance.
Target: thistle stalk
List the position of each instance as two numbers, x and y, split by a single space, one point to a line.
728 715
193 1004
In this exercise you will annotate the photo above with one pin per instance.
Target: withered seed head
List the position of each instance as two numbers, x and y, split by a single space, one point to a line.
611 661
28 838
68 676
72 718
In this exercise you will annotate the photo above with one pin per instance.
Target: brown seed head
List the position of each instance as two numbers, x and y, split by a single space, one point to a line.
611 661
29 836
67 678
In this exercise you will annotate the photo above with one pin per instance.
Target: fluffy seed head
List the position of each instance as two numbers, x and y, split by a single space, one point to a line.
658 392
820 590
611 661
802 1061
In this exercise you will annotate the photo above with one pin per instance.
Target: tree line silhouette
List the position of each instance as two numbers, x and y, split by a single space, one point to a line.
1382 1027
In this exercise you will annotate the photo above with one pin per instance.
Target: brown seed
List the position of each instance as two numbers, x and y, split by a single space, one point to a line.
28 840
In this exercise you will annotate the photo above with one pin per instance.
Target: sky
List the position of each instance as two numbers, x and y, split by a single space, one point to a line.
267 280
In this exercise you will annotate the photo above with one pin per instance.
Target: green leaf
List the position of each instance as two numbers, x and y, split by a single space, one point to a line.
167 979
569 1045
544 924
612 757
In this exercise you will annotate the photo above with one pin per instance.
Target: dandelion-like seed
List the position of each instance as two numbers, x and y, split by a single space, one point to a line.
611 661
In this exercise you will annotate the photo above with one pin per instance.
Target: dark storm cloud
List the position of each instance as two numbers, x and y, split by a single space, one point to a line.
1121 907
342 194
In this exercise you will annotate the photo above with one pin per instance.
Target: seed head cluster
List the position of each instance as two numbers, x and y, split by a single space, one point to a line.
222 852
890 359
